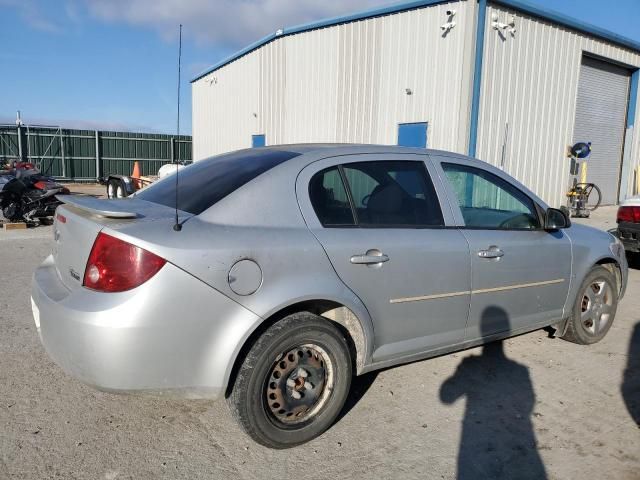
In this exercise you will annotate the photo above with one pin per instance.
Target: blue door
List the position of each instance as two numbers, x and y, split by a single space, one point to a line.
258 141
412 134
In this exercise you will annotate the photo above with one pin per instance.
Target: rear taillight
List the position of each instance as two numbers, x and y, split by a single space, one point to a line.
629 214
116 266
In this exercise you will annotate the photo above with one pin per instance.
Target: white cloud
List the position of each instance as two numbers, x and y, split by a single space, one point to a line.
227 23
80 124
32 15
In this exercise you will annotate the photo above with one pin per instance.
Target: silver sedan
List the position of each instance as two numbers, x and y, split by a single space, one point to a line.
286 270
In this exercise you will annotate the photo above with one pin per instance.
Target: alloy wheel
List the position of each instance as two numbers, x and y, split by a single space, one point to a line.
596 306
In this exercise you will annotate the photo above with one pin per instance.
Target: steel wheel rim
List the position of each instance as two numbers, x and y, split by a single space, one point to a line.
110 192
596 307
299 383
119 192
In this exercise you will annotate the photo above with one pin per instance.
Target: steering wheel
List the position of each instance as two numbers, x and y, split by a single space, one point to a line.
365 200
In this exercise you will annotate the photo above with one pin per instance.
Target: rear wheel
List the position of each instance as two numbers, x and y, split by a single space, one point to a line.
293 382
594 309
111 188
115 189
592 195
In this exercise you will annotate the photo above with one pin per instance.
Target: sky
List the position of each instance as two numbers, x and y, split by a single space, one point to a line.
112 64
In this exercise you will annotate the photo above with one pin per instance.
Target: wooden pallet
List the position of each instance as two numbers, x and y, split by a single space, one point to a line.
14 226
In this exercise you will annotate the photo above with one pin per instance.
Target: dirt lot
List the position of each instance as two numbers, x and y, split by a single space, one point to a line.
547 409
93 189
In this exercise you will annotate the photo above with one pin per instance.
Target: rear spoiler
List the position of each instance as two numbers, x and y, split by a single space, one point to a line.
116 208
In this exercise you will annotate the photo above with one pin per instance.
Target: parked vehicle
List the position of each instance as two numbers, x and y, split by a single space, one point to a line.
628 219
122 186
299 266
27 195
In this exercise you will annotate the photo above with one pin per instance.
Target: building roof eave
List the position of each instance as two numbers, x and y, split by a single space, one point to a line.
519 5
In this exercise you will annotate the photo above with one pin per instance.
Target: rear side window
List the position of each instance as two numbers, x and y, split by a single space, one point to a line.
205 182
379 194
329 198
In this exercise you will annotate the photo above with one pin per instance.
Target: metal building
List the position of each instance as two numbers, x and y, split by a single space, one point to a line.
501 80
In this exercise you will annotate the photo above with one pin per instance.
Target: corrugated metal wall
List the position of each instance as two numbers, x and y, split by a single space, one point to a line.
71 154
344 83
601 117
530 81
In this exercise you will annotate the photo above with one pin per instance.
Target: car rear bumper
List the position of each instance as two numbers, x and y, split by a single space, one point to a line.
629 235
174 335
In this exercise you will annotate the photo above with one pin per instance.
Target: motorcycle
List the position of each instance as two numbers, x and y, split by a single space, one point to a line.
27 195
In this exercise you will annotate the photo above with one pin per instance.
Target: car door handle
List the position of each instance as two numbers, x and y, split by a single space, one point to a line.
372 257
491 252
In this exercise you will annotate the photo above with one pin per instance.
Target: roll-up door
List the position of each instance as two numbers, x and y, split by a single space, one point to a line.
601 110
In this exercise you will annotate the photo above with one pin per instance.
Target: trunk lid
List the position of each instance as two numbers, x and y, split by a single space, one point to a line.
79 220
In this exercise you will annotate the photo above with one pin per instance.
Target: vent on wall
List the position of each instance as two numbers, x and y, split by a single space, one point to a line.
258 140
412 134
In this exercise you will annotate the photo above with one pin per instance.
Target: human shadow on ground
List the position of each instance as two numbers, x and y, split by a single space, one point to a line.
498 439
631 380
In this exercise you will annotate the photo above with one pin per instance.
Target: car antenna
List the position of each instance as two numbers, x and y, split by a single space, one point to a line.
177 226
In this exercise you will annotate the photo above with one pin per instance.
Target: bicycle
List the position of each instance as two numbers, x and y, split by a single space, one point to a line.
583 197
581 201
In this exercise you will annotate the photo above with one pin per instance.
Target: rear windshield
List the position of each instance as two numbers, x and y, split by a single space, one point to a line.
205 182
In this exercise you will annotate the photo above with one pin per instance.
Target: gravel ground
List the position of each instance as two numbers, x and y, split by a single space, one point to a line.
548 408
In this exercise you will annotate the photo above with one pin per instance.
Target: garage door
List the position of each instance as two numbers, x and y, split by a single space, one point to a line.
601 110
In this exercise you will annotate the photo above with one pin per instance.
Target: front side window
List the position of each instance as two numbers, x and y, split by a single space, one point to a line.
487 201
378 194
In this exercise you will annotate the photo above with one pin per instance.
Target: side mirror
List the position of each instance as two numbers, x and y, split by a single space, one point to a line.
556 219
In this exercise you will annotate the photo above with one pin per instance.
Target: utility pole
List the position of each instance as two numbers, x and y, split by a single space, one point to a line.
19 125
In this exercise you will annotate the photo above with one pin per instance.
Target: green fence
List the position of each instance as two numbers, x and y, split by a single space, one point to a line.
86 155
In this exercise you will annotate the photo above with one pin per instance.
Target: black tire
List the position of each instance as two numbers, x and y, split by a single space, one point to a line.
633 258
297 338
583 326
112 186
121 189
12 210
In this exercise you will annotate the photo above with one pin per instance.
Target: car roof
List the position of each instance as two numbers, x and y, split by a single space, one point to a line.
276 183
331 149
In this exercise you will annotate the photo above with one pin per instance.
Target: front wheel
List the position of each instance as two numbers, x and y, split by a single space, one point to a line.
12 210
293 382
594 309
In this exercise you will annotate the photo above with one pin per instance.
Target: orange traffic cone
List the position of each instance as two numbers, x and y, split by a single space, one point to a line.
135 175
